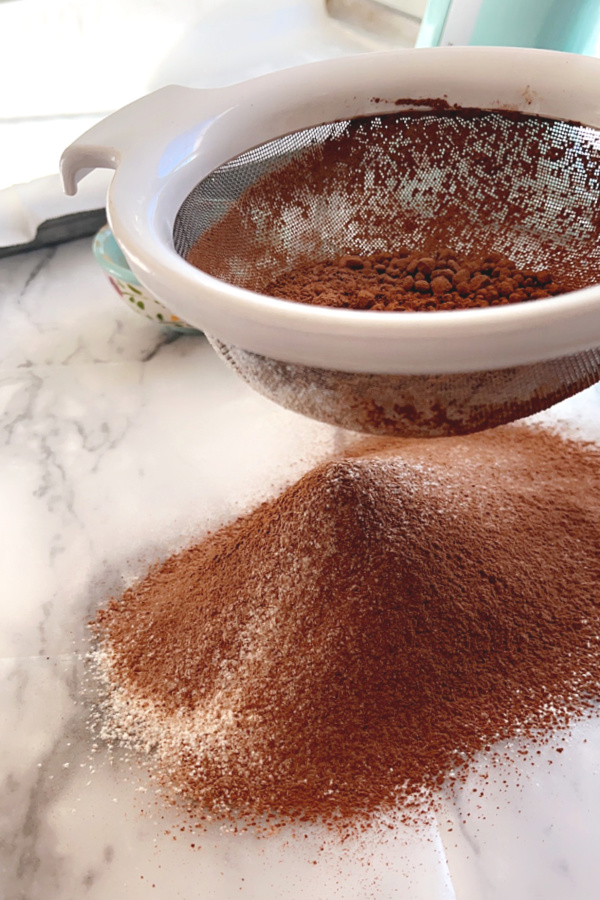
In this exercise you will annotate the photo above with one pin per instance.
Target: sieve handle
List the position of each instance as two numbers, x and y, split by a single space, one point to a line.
105 145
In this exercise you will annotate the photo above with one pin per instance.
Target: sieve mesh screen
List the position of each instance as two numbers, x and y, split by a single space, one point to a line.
525 186
472 180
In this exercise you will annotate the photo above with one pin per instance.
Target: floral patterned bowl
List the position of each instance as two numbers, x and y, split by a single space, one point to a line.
109 255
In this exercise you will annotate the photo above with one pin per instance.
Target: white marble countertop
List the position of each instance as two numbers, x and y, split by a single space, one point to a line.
119 443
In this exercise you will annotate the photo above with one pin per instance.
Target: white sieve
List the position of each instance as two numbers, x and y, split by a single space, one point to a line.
191 166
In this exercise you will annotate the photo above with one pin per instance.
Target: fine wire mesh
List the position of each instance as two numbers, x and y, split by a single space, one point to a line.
216 195
471 180
415 405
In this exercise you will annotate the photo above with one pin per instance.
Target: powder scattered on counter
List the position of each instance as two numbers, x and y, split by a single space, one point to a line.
413 281
348 648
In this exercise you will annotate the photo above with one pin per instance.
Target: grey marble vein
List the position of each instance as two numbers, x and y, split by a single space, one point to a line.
58 308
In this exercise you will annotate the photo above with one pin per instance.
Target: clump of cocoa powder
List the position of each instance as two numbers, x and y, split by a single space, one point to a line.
469 180
414 281
347 648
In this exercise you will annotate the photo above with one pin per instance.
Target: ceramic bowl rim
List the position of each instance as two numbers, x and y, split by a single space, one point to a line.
101 247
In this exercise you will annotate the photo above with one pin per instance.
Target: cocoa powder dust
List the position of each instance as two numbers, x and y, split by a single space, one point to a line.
412 281
349 647
499 208
473 181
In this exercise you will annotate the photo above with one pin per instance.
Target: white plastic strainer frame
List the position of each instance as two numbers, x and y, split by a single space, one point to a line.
165 143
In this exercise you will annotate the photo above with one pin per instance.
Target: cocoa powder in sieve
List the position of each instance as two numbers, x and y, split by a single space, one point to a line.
425 178
414 281
349 647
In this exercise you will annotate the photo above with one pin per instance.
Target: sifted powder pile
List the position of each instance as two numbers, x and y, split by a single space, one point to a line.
348 647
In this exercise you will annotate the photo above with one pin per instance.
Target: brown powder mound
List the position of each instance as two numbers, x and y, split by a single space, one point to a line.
347 648
414 281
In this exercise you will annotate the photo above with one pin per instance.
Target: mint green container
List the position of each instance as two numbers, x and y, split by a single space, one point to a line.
571 25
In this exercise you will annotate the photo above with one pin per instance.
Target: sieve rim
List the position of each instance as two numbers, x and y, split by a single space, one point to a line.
436 342
157 169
